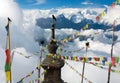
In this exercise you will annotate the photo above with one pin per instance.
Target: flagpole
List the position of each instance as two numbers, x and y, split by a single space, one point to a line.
109 70
9 49
40 60
39 70
84 61
83 70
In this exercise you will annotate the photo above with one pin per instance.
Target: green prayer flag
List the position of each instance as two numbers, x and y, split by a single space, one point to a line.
7 67
116 59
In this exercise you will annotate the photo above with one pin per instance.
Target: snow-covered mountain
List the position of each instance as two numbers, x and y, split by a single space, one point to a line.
74 18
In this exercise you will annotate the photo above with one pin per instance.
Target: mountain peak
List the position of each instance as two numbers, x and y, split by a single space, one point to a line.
73 17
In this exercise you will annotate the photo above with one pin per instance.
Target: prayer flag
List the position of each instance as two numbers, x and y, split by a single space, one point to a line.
113 5
97 18
7 52
7 26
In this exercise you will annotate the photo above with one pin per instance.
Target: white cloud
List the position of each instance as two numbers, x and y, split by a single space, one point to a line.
106 6
2 76
87 3
40 2
112 14
11 9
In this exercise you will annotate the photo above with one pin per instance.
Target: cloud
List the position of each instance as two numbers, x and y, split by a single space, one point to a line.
40 2
86 3
22 36
2 76
37 2
10 9
112 14
106 6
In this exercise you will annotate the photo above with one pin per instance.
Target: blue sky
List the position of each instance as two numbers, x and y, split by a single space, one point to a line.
47 4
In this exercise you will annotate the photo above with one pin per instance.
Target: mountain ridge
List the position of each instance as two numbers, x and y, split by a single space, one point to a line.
69 18
63 22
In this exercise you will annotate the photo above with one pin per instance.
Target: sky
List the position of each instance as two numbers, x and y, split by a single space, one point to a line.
48 4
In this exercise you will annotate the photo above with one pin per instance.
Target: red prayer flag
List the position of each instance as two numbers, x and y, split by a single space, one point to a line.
97 18
7 51
96 58
7 65
83 29
113 5
113 61
81 58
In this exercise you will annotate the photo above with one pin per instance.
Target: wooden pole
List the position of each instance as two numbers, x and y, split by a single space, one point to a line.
83 70
9 49
39 70
53 27
109 70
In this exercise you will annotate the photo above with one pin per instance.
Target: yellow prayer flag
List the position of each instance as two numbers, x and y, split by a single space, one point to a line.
101 58
53 61
30 73
78 33
39 66
103 13
117 71
8 76
107 63
87 25
100 15
118 1
42 79
83 61
38 78
86 59
75 58
45 71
